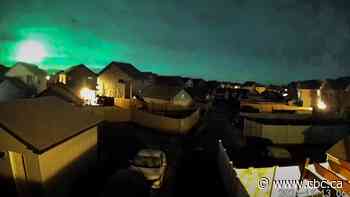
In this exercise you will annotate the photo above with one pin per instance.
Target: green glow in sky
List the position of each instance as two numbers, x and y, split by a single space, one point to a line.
31 51
266 41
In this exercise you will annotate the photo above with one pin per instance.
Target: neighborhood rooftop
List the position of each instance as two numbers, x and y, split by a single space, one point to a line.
43 122
161 91
126 67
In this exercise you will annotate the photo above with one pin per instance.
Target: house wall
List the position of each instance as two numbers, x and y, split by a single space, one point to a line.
336 100
182 99
309 97
9 92
109 85
260 89
7 144
63 164
21 72
80 78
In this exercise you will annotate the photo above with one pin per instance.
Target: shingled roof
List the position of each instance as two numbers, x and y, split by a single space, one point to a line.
45 122
78 67
63 92
129 69
310 84
161 91
32 68
16 82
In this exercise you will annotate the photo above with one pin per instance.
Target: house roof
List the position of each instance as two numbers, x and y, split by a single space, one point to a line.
78 67
16 82
310 84
126 67
3 69
249 83
61 91
341 150
198 92
161 91
44 122
32 68
170 81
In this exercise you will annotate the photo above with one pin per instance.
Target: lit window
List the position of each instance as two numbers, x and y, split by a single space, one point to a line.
318 92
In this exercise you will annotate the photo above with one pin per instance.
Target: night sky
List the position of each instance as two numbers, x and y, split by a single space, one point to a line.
269 41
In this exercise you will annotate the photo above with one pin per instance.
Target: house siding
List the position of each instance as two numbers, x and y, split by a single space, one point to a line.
80 78
109 85
7 144
182 99
309 97
39 83
63 164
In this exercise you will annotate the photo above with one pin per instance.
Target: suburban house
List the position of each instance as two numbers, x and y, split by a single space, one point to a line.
149 78
80 80
58 77
30 74
309 93
167 95
45 145
61 91
120 80
13 88
334 95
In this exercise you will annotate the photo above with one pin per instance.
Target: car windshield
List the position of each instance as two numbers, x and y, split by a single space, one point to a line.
147 161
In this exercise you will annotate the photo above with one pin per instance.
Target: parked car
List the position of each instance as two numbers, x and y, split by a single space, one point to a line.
152 164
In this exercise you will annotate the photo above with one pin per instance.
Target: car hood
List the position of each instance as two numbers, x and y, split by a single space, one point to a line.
149 173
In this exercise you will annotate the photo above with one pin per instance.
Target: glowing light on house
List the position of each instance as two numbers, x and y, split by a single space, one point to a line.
48 77
236 87
89 96
31 51
321 105
285 94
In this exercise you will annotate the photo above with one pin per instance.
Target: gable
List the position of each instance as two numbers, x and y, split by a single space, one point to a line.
113 72
123 70
51 121
18 71
183 95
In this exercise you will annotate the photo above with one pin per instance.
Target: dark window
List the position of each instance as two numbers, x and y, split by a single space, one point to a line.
2 155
